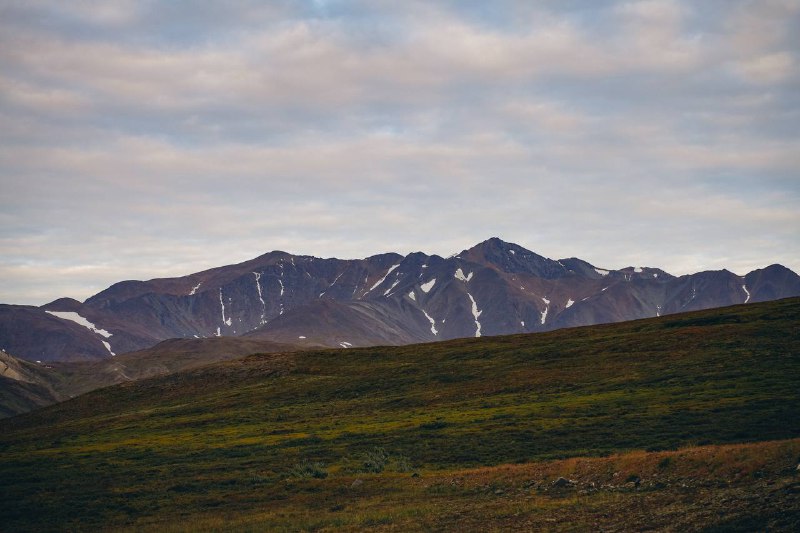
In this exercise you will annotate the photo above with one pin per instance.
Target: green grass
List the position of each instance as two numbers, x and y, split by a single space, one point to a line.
230 439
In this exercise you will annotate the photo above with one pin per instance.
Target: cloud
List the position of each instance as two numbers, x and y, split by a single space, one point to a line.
767 69
152 139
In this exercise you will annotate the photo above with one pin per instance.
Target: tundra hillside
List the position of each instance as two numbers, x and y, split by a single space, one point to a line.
675 423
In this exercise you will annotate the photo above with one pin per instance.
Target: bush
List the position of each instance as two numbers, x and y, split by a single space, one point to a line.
403 464
308 469
375 460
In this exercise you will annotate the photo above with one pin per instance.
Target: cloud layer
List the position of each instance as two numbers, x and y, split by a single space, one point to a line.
145 139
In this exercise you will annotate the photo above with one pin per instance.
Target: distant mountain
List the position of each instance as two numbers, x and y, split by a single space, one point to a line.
492 288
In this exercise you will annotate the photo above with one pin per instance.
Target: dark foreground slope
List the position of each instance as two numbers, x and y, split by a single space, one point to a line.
331 438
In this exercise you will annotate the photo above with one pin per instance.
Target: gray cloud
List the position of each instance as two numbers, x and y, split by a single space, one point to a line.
150 139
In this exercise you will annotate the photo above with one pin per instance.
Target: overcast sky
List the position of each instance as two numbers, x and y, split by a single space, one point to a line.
143 139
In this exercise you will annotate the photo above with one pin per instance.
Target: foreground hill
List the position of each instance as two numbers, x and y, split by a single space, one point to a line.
493 288
337 438
25 386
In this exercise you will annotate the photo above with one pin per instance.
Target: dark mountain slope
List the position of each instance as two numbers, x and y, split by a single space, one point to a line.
328 323
33 334
771 283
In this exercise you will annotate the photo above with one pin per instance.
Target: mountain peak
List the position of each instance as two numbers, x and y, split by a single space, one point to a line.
775 268
513 258
492 243
63 304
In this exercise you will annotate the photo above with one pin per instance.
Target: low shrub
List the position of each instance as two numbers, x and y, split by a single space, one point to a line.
308 469
375 460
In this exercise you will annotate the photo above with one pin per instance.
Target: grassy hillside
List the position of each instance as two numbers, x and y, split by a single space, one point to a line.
29 385
261 440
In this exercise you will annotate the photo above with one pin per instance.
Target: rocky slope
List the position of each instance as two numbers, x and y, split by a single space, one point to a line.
492 288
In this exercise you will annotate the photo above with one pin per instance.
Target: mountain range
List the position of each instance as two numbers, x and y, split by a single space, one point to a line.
493 288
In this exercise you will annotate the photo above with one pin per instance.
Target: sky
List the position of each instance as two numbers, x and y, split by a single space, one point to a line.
143 139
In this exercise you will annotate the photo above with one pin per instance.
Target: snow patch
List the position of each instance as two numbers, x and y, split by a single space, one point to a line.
280 312
301 337
638 270
334 281
544 314
655 274
426 287
222 305
546 301
694 295
194 290
412 296
522 323
475 313
604 289
459 274
569 303
392 287
260 297
744 288
359 285
432 321
601 271
383 278
218 332
345 344
108 347
512 252
78 319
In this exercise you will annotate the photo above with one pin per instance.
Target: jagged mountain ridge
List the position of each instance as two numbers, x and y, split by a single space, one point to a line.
492 288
